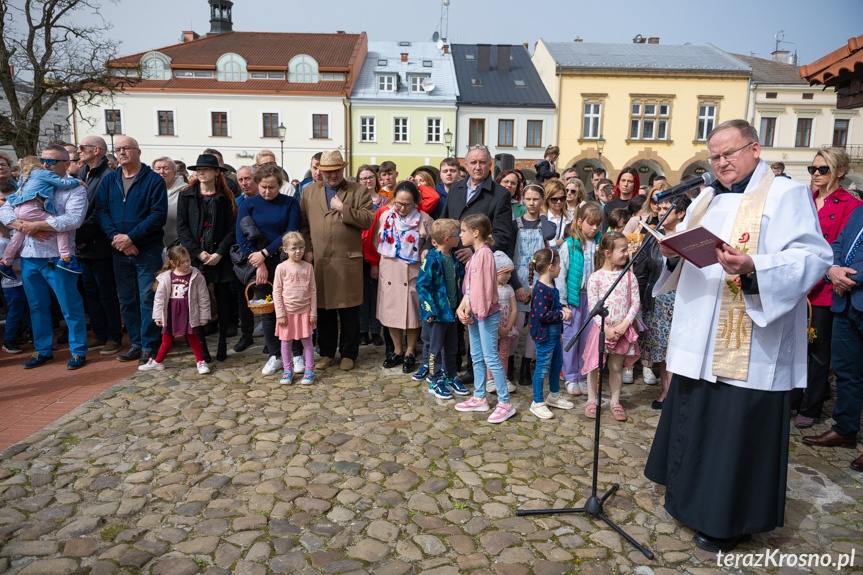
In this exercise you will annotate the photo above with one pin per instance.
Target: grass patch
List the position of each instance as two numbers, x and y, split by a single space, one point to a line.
108 533
460 505
15 470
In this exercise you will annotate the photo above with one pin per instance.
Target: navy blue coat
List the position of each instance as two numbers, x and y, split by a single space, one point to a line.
141 214
841 248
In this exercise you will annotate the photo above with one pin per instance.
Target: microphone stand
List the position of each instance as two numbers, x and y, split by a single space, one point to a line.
593 507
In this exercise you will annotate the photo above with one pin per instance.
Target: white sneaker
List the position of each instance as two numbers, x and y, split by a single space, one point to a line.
151 364
299 364
273 365
559 402
541 411
649 377
259 330
203 367
490 386
511 386
572 388
628 375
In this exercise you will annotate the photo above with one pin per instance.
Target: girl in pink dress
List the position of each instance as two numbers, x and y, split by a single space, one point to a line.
621 346
296 300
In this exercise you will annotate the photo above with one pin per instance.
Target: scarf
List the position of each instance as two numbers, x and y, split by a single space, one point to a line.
400 237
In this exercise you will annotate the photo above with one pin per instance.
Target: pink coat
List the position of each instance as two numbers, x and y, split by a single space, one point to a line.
199 298
480 279
294 290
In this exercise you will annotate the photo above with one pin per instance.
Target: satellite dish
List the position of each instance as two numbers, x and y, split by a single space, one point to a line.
638 38
439 43
427 85
446 2
435 36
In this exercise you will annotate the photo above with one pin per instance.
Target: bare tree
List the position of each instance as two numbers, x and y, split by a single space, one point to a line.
53 49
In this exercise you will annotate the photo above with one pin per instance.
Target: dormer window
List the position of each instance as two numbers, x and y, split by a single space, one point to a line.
231 68
387 83
303 69
417 84
155 66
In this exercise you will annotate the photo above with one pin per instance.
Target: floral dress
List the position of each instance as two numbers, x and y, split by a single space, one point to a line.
658 321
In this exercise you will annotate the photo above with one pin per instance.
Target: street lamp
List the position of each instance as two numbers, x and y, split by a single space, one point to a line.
111 125
447 138
600 145
282 131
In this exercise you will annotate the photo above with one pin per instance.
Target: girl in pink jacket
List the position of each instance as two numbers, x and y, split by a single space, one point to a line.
296 297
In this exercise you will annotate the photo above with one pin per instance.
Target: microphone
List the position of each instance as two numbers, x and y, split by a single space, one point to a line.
673 193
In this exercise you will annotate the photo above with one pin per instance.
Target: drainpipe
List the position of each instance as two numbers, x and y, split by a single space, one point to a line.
752 86
557 130
348 148
74 121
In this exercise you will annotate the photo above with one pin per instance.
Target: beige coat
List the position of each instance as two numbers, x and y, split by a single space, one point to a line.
199 298
335 239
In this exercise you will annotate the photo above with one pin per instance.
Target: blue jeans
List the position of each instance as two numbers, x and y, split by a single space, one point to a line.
40 277
549 360
135 276
483 351
17 311
102 303
845 353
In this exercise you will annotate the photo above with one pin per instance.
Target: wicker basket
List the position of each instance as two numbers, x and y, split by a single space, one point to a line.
261 308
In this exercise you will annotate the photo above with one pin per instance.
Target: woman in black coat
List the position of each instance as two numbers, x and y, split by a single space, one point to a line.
206 227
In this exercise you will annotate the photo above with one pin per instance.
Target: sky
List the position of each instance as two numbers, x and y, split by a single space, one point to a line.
741 26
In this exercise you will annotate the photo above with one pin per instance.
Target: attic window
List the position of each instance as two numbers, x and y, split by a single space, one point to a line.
476 81
770 95
382 62
469 57
231 68
403 43
303 69
808 95
268 76
155 66
427 63
520 83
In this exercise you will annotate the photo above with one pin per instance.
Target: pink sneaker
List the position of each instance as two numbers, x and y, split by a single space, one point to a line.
501 413
473 404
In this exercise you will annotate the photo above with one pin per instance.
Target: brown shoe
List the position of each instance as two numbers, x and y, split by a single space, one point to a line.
347 364
857 464
111 347
94 343
830 439
323 363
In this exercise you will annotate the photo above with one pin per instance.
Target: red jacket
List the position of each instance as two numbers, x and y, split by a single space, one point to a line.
832 216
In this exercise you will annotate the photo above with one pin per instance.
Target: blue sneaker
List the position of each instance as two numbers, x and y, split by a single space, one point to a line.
457 386
421 373
287 378
70 265
76 362
440 390
38 360
6 272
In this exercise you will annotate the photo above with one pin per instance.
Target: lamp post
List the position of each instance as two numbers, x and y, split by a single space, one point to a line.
111 125
600 145
282 131
447 138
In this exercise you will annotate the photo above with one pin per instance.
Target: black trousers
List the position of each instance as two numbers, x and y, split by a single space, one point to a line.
330 321
809 401
247 318
223 302
268 320
443 337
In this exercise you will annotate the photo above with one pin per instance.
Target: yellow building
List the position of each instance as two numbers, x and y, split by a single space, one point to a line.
644 104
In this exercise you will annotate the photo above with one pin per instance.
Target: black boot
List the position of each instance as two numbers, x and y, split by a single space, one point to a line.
510 368
204 351
525 377
467 378
222 350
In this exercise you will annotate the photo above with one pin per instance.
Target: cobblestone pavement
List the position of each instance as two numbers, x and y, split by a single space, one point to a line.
172 473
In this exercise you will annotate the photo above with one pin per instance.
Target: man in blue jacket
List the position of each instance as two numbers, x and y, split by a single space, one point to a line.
132 208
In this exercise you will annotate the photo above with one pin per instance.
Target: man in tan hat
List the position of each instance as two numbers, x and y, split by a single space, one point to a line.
335 214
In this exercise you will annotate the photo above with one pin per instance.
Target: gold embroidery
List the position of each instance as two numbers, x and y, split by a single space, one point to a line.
729 329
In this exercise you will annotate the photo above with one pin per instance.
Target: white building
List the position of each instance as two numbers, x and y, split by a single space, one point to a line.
54 124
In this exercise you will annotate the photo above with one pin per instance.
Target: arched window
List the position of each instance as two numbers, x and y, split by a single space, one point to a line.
303 69
155 66
231 68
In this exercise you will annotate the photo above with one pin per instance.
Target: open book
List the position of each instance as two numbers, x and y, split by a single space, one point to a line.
697 246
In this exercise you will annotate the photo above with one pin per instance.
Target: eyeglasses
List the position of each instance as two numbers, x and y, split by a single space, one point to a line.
477 147
83 147
124 149
820 169
368 179
556 199
728 156
50 161
294 249
403 205
4 165
573 191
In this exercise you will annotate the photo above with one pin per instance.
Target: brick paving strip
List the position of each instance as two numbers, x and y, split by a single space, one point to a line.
172 473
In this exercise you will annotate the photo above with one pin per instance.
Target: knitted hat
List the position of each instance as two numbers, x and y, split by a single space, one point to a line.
502 262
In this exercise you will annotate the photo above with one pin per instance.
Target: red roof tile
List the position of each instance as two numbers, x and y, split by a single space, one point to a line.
845 60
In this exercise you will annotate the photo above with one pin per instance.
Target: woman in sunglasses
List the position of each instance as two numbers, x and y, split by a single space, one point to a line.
834 207
555 211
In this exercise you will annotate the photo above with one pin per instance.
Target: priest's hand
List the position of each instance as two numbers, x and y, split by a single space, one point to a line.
734 261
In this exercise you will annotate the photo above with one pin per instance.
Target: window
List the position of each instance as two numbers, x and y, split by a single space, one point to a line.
231 68
840 133
808 95
155 66
476 132
203 74
771 95
115 116
433 130
804 132
367 129
271 125
401 129
219 123
504 132
470 57
417 84
476 82
267 76
767 132
338 77
303 69
519 83
649 119
382 62
592 113
166 122
387 83
534 133
320 126
427 64
706 121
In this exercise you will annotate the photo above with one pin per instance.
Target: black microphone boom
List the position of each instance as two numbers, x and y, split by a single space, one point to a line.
673 193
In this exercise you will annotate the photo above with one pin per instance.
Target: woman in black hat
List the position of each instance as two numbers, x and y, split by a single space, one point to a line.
206 224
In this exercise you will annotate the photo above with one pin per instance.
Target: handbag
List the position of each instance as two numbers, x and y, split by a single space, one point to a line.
244 270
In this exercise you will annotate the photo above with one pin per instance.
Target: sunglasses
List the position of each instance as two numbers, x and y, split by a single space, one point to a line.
823 170
556 199
50 161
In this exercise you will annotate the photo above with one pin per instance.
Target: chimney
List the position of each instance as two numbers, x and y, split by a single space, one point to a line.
220 17
446 48
780 56
653 40
189 35
578 39
503 57
404 56
483 56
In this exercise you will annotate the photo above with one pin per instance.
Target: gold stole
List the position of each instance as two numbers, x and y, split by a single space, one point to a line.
734 331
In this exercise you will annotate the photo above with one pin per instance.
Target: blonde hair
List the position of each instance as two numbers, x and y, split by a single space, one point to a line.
427 178
443 228
837 160
28 164
175 255
606 244
589 212
292 239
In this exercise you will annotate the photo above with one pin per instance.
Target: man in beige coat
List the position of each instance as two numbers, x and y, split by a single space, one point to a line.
335 214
